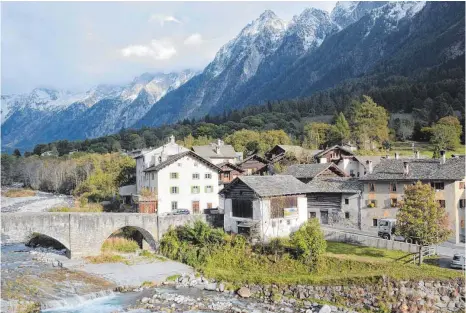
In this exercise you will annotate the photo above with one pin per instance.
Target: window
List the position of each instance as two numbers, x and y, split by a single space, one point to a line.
371 187
179 164
195 175
152 176
359 174
174 175
209 205
437 185
347 215
374 222
241 208
312 214
209 189
462 203
462 185
174 190
352 173
392 187
195 189
288 222
372 203
346 201
277 206
442 203
174 205
394 202
208 175
226 175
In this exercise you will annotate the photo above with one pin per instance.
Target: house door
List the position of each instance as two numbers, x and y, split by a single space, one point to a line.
324 217
195 207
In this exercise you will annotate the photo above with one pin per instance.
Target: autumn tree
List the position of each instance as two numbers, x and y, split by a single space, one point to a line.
446 133
316 135
421 217
369 123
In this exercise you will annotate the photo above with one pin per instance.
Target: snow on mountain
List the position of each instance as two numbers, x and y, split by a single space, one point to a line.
311 27
258 39
348 12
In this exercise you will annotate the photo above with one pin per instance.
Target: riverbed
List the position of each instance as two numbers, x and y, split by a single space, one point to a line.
41 202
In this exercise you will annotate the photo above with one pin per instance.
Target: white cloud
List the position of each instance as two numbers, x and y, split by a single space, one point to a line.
194 39
158 49
162 19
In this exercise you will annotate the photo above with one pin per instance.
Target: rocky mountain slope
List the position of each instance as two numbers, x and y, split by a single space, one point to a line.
270 59
46 114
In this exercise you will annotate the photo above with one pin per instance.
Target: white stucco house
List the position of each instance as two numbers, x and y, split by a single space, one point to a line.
153 157
183 181
267 206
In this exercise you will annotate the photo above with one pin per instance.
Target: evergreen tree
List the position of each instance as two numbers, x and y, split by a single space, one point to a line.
17 153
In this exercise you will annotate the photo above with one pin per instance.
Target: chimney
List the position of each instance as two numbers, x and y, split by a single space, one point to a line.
405 168
416 154
217 149
442 157
219 142
397 155
171 139
369 166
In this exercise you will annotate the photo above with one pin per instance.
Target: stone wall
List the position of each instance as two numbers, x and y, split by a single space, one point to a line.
390 295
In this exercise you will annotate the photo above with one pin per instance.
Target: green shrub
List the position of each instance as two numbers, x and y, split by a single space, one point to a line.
309 243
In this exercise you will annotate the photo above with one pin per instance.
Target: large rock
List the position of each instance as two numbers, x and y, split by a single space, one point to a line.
211 286
325 309
244 292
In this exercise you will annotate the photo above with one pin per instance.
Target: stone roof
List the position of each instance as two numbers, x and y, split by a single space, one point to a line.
210 151
173 158
418 169
310 170
335 185
364 158
268 186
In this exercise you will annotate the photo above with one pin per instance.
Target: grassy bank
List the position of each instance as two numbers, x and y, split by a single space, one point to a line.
87 208
120 244
18 193
223 259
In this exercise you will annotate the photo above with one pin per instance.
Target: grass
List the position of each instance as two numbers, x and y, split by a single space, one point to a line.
404 148
17 193
152 256
88 208
120 244
173 277
106 258
344 264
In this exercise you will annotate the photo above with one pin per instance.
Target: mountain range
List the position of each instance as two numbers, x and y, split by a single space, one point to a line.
270 59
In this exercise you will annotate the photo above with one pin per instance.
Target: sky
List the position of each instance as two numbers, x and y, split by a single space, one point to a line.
78 45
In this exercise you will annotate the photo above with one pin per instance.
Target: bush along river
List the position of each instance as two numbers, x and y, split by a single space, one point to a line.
37 280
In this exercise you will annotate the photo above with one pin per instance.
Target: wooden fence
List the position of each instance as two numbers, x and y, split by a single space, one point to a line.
363 240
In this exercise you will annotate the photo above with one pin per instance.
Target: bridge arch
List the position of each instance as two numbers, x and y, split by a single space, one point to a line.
36 239
146 237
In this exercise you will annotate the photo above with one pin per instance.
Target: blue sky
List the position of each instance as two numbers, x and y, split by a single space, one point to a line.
77 45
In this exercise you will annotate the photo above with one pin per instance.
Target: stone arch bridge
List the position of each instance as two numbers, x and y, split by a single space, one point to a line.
84 233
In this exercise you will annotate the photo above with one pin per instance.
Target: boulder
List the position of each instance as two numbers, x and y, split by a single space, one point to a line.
221 287
325 309
211 286
145 300
244 292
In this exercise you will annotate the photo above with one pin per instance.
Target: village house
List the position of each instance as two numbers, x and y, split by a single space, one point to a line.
183 181
333 197
264 206
255 165
353 165
384 188
153 157
218 152
229 172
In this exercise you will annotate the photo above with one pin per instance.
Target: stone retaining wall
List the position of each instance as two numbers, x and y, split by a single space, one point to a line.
392 296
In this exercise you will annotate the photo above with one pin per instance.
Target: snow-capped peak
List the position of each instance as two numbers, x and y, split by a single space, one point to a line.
311 26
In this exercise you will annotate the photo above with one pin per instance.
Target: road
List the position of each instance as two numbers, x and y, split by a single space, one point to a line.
446 249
